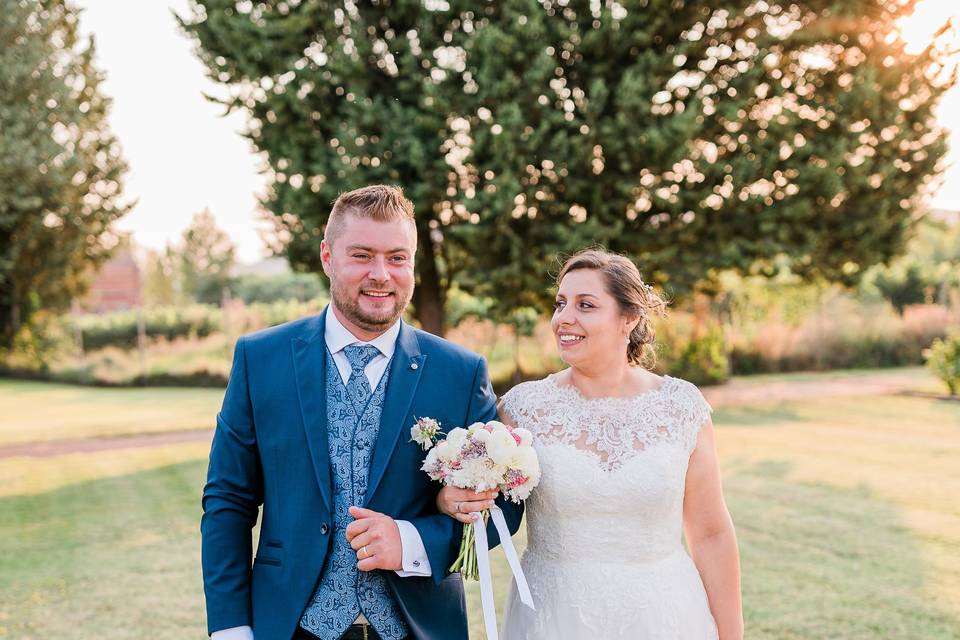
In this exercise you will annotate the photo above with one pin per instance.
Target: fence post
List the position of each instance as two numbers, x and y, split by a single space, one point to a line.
77 331
142 344
225 318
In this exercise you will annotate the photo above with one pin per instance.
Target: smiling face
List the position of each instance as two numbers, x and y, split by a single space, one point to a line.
370 266
588 324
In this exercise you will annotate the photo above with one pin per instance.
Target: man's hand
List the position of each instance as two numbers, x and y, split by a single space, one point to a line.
376 539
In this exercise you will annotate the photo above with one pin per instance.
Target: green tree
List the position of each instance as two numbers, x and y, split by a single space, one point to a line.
696 137
341 95
927 272
161 286
60 167
203 258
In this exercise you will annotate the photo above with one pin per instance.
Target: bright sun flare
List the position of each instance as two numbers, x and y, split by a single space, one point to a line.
919 28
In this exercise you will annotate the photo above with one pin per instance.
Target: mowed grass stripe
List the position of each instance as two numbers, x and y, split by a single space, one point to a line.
827 577
105 558
39 412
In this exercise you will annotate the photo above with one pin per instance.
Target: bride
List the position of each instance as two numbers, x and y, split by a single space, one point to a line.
628 458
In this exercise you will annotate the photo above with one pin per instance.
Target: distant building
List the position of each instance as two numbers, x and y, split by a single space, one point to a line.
117 286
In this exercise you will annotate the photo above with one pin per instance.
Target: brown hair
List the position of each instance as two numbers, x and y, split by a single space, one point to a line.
633 296
380 202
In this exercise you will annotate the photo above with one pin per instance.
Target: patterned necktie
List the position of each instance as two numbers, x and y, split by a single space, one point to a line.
359 356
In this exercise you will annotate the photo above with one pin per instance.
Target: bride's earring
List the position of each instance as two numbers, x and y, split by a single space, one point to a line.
626 339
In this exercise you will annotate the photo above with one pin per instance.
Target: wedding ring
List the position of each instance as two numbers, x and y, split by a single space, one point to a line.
366 554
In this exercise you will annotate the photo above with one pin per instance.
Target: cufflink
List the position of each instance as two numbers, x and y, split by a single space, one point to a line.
416 563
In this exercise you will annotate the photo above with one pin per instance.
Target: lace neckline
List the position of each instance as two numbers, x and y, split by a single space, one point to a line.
614 428
575 393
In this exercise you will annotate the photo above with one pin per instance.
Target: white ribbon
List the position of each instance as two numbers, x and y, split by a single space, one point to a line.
483 564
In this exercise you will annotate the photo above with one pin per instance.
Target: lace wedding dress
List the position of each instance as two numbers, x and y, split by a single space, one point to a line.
604 557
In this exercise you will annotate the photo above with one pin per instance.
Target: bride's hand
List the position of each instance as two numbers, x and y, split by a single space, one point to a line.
460 503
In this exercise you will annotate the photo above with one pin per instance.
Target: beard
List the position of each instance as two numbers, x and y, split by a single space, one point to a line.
368 320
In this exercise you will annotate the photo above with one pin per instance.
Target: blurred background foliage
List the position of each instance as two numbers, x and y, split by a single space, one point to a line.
766 164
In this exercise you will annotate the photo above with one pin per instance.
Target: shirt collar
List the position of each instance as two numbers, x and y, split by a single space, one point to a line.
338 336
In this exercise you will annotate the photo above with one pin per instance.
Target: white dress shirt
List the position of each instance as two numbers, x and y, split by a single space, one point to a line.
414 560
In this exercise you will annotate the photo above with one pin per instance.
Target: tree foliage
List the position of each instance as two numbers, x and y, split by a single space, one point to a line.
203 258
60 167
695 137
161 284
928 272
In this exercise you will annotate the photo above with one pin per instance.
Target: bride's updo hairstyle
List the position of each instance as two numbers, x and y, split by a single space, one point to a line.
634 297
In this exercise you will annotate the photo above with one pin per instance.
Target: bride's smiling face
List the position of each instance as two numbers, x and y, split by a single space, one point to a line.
587 321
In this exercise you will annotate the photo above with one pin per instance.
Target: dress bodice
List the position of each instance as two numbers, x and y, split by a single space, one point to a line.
614 469
604 557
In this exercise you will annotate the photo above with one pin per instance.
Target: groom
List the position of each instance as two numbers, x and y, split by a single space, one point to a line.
315 428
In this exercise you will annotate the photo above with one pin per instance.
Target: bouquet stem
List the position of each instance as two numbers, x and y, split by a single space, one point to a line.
466 562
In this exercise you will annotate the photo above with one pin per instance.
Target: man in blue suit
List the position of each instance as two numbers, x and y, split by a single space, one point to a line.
315 428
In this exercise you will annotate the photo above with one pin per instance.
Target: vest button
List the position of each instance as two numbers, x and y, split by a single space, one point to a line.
324 529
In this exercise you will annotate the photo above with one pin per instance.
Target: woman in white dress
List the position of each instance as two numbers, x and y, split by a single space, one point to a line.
628 460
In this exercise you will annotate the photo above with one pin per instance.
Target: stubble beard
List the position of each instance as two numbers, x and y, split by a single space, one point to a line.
353 312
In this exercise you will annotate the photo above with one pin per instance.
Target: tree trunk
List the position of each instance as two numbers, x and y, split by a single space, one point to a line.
430 294
517 367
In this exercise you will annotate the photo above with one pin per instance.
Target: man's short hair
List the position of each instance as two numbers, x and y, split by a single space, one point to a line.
381 202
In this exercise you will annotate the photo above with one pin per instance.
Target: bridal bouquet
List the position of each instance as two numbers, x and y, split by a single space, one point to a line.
481 457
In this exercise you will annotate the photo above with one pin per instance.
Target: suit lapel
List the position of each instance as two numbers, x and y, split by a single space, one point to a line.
310 365
405 370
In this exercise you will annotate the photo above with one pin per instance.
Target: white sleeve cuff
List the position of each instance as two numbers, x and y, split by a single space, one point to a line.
233 633
414 555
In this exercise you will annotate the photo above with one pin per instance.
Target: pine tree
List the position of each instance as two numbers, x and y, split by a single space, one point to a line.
204 258
695 137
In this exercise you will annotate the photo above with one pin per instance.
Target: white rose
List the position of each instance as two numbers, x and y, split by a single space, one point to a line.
526 438
496 425
525 460
503 438
501 453
431 458
481 435
444 451
456 438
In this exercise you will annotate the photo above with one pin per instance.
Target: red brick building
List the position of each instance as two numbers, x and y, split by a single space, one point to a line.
116 287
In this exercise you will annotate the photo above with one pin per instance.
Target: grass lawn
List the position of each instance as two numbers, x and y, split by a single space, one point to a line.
847 516
33 412
846 509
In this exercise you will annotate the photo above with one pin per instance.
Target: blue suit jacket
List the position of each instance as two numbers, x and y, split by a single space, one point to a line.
270 449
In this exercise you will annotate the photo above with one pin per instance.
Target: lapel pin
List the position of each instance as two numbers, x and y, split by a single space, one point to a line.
414 365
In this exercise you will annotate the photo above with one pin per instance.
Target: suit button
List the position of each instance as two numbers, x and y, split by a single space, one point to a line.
324 529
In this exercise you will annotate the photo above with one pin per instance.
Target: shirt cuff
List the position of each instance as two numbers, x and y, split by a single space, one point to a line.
233 633
414 556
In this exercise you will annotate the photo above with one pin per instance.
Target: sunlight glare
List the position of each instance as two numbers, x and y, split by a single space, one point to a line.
919 28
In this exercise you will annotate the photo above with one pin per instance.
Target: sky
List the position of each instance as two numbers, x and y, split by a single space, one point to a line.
184 155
